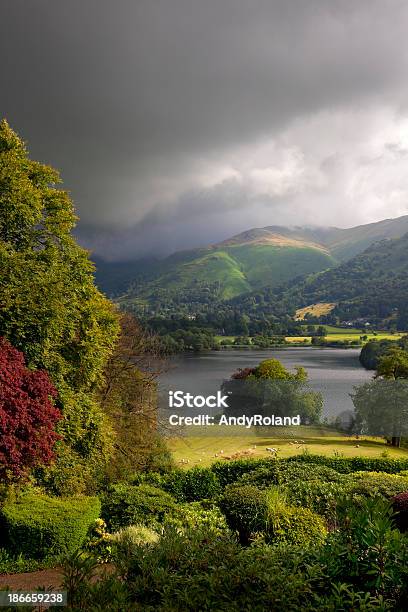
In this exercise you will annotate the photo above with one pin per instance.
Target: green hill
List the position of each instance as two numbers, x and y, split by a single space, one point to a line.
226 270
373 284
268 257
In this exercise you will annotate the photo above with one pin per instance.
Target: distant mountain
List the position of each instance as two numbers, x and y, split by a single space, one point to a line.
260 257
341 243
371 284
230 268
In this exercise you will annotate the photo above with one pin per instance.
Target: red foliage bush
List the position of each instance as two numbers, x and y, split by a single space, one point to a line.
243 373
27 415
400 506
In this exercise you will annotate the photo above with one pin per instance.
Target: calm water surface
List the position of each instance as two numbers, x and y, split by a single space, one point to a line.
333 372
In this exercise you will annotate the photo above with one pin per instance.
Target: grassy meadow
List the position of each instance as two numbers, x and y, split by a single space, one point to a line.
335 333
351 333
210 446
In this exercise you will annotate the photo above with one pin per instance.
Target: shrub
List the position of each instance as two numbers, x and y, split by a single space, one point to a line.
230 471
125 505
245 510
400 507
40 526
282 473
321 497
125 542
192 485
134 535
84 593
195 516
347 465
153 478
184 485
363 566
292 525
16 564
374 484
191 572
367 552
27 415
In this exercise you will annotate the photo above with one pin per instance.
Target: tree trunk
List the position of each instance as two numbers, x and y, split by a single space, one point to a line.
396 441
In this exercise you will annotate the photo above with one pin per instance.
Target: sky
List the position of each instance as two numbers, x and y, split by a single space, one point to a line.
178 123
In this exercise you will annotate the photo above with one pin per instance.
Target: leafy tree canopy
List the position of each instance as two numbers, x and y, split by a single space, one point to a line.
27 415
394 364
49 306
273 369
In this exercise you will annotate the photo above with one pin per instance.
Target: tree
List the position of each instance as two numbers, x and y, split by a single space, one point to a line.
394 364
270 388
27 415
382 405
50 308
129 396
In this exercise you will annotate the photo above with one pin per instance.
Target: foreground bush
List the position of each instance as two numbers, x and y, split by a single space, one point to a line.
400 507
39 526
192 485
292 525
321 497
361 566
245 509
206 517
368 552
229 472
28 416
347 465
125 542
125 505
285 473
192 572
374 484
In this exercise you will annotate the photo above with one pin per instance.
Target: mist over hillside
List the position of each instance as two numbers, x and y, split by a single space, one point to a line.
258 258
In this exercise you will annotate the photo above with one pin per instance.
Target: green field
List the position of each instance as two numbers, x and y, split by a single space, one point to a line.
211 446
348 334
336 333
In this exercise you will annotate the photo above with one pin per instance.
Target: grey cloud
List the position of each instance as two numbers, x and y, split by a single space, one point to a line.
139 102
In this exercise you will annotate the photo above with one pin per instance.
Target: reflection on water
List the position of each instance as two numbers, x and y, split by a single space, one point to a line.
333 372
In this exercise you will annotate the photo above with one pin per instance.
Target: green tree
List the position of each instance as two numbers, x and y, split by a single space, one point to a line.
269 389
49 306
382 404
394 364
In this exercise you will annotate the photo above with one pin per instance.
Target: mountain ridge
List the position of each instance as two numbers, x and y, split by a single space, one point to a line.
256 258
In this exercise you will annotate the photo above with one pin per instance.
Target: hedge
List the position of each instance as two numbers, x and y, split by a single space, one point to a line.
282 473
124 505
39 526
230 471
347 465
192 485
373 484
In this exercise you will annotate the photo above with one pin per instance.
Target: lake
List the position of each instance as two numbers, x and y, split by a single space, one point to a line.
333 372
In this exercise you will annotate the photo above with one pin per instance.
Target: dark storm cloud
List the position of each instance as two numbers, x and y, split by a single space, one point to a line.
156 109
